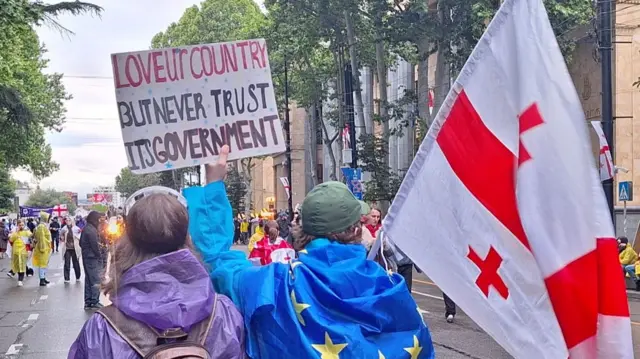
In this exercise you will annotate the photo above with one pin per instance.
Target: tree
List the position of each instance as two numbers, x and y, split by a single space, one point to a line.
99 207
212 21
47 14
236 190
31 102
453 27
384 184
7 192
47 198
128 183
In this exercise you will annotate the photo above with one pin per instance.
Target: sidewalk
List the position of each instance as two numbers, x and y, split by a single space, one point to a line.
632 294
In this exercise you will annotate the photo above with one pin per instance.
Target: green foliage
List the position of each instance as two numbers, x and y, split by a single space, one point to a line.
31 102
47 198
413 22
7 191
99 207
47 13
236 189
384 183
127 182
213 21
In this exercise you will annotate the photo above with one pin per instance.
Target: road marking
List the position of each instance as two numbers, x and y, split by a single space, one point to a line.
57 274
424 282
44 297
435 297
14 349
426 295
422 311
33 316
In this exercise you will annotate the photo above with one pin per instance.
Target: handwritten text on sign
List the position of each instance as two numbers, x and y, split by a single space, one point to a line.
178 106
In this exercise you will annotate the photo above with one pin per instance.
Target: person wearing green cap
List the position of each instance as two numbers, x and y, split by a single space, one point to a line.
330 302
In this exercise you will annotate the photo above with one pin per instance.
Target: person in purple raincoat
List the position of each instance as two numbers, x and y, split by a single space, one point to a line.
156 279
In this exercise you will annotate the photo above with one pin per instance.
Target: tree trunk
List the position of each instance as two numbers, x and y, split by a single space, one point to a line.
328 142
442 76
341 107
382 86
357 86
369 109
311 146
423 82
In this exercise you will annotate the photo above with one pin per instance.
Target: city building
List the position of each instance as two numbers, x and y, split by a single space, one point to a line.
106 194
22 193
585 70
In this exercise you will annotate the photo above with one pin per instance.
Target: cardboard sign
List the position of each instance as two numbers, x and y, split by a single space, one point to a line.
178 106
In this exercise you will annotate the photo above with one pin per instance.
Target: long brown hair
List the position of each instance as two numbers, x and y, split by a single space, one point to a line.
155 225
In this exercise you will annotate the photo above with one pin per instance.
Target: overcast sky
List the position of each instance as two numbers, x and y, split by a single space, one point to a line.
89 149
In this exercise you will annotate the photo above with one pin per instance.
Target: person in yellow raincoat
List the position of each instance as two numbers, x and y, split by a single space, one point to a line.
42 247
257 236
18 240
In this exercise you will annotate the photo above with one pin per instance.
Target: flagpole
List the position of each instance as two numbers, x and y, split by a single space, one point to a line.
287 128
605 8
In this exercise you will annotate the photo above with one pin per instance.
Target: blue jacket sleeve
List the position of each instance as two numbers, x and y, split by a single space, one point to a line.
211 230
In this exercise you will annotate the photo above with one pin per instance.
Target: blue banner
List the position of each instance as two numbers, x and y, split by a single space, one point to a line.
353 178
33 211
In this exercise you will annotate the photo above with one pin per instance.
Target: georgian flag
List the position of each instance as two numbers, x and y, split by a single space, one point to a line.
287 187
60 210
503 208
606 162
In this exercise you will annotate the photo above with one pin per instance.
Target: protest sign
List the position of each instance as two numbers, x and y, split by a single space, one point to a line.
178 106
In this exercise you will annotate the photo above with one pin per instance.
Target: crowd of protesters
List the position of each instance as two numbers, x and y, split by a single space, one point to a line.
177 286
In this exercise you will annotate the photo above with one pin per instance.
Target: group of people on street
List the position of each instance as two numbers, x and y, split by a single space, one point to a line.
32 242
202 297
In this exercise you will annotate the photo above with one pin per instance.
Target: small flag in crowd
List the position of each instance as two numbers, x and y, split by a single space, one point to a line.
502 206
287 187
606 162
60 210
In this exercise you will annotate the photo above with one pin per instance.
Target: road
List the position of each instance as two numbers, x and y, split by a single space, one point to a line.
42 322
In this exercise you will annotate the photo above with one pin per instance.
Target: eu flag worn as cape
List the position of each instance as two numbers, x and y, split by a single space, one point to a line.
331 303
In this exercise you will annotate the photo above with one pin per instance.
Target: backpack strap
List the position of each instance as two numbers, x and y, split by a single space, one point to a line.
200 331
139 336
143 338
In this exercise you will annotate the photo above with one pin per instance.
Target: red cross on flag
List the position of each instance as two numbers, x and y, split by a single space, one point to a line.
60 210
502 206
606 163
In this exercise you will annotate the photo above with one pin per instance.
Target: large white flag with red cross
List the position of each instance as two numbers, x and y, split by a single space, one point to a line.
503 208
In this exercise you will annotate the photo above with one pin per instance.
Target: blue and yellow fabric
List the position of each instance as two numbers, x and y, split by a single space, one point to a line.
331 303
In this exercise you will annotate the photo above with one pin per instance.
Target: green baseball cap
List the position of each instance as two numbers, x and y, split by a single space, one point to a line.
329 208
365 208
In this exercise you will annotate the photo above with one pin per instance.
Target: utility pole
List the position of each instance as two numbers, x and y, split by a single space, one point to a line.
287 129
605 9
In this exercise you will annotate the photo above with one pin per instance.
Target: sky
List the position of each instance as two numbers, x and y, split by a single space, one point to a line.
89 150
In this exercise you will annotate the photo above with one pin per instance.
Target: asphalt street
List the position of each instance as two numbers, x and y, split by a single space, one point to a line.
42 322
